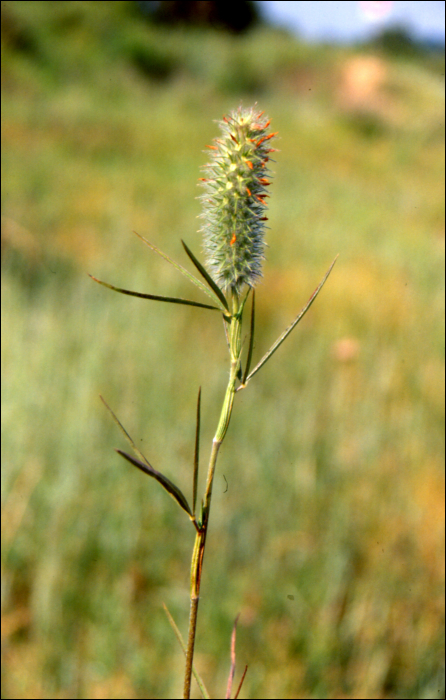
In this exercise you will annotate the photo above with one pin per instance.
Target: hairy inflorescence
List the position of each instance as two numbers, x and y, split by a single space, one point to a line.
234 203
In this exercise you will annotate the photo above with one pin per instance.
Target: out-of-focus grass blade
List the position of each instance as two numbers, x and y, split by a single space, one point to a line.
155 297
124 432
173 490
204 273
199 680
288 330
196 454
241 683
232 670
251 341
185 272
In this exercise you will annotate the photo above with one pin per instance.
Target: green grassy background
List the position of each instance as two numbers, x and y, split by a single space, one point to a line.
329 538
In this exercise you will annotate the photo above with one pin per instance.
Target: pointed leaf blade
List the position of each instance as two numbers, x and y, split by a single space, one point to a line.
205 274
241 683
124 432
232 670
288 330
155 297
173 490
183 271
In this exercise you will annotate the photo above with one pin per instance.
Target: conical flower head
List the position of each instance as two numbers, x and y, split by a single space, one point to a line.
234 204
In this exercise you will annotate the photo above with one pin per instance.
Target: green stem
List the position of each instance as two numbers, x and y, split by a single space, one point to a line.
200 539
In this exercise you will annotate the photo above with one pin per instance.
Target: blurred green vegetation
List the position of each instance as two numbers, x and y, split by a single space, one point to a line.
329 538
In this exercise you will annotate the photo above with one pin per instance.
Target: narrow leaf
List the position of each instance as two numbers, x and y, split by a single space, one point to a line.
172 300
177 632
185 272
173 490
205 274
288 330
232 670
124 431
251 340
241 683
196 454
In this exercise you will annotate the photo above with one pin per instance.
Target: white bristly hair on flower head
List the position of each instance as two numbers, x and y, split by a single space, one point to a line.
234 203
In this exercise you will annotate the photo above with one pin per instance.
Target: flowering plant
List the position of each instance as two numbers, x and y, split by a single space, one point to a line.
234 205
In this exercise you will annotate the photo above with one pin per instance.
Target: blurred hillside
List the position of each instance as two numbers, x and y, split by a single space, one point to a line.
329 539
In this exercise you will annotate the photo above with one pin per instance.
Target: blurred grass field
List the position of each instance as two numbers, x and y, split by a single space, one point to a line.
327 529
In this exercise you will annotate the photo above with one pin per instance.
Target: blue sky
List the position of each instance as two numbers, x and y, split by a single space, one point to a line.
351 21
